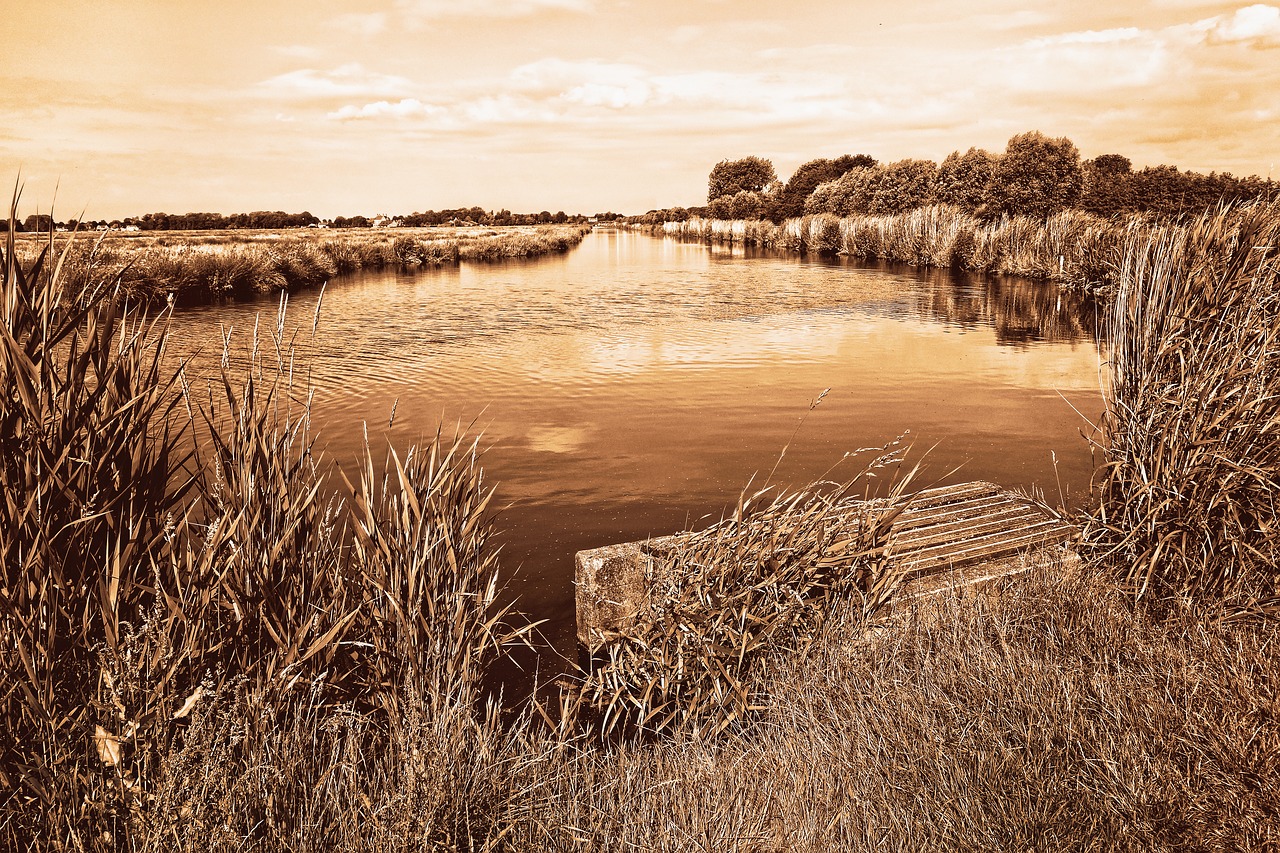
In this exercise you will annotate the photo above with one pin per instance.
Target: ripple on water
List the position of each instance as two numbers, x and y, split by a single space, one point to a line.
635 384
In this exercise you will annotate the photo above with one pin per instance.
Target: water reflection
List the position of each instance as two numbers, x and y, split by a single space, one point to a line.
636 384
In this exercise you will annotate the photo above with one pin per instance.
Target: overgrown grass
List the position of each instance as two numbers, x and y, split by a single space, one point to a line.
1047 714
199 651
207 267
1051 715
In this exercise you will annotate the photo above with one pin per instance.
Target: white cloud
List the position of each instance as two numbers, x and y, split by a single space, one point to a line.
345 81
1258 24
405 108
629 98
1123 34
420 11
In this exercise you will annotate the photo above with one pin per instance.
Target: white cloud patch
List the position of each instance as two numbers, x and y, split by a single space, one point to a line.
421 11
590 83
556 92
1120 35
346 81
1164 60
1258 25
405 108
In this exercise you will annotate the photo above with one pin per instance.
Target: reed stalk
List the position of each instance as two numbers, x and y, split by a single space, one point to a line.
1191 446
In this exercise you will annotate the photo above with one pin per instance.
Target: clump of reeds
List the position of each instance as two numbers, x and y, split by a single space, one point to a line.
172 570
1070 247
93 481
723 599
196 268
1191 434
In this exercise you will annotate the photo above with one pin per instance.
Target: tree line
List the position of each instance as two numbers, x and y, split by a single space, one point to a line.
42 222
1036 175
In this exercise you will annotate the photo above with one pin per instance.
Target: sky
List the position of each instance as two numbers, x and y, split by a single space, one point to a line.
112 108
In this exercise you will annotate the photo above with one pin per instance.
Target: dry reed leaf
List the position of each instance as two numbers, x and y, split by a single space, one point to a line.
108 746
188 705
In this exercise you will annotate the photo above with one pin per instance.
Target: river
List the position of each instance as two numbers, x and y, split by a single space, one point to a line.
633 386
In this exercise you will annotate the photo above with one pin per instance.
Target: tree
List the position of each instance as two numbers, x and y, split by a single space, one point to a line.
847 162
746 205
904 185
852 193
963 179
1159 189
39 222
730 177
1037 176
1108 187
804 181
720 208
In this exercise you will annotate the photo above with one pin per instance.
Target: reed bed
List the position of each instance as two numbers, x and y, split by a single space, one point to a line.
1071 247
1191 433
200 268
169 564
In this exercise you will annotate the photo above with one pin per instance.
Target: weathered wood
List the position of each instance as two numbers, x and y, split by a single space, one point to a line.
975 526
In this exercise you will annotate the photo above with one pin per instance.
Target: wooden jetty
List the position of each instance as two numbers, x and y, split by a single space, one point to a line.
962 534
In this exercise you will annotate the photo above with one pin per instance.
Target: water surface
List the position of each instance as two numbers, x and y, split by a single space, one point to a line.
635 385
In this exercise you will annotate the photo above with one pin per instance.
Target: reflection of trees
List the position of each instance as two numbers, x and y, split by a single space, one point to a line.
1021 312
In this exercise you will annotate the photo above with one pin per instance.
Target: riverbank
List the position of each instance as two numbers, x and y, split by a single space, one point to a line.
201 654
197 267
1071 248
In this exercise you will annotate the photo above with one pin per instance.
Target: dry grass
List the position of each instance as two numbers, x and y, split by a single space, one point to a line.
201 267
1049 716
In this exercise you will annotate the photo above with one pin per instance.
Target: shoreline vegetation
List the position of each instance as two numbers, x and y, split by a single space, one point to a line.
1035 210
1070 248
199 653
196 267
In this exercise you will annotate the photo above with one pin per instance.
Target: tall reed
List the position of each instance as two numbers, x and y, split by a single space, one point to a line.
1070 247
171 564
94 484
1191 445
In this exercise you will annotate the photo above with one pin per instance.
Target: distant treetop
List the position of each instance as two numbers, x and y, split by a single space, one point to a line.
730 177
